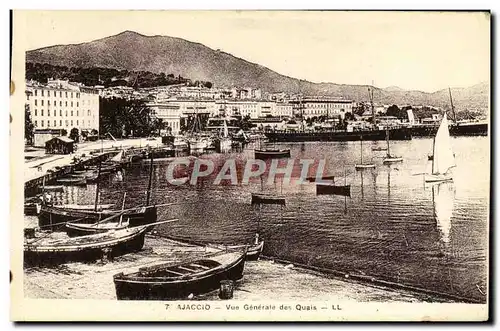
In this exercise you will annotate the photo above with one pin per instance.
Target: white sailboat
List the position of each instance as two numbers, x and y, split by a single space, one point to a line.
390 158
443 158
225 141
363 165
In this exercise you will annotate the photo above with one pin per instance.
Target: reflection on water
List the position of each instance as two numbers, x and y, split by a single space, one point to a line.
443 195
394 226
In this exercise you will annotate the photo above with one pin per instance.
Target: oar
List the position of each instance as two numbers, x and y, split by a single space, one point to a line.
108 218
420 173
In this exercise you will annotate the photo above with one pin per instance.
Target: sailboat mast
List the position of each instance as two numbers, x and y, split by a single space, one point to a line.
97 186
452 107
148 194
361 141
387 140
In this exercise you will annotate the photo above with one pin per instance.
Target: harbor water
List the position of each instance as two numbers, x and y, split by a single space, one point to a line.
394 226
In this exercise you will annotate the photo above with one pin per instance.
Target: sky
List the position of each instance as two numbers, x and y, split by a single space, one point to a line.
424 51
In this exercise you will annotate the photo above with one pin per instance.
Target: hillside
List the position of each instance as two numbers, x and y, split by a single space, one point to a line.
162 54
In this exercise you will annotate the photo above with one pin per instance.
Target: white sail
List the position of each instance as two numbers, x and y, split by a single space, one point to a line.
118 157
443 198
443 158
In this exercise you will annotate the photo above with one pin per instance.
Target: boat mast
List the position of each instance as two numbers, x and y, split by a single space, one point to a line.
97 186
148 194
387 139
452 107
370 91
361 141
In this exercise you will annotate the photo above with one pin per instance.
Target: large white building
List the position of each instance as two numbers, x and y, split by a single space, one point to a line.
322 106
63 105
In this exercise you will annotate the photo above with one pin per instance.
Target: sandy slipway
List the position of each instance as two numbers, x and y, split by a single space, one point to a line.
263 279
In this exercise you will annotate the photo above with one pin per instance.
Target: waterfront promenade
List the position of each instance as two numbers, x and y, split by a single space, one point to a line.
39 165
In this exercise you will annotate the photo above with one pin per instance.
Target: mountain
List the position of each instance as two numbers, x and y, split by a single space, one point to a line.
135 52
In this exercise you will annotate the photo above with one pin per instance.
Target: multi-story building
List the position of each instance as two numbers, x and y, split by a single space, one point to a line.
63 105
322 106
283 109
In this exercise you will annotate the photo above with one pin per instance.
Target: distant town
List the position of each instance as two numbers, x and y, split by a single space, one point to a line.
60 107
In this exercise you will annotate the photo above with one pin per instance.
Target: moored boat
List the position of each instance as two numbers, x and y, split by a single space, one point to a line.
267 198
443 158
344 190
178 280
271 153
53 216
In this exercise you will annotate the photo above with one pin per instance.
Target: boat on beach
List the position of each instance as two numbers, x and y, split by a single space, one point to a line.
179 280
45 249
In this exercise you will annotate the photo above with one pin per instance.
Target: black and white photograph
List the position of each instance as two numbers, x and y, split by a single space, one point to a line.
250 165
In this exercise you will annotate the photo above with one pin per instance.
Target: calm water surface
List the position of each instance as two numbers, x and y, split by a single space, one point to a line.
394 226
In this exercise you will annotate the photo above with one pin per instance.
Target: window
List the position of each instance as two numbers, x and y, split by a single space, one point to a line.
41 111
48 102
60 112
88 112
36 92
42 96
36 123
42 123
77 103
66 103
66 94
60 122
60 94
66 122
48 112
66 114
35 102
71 103
71 94
71 113
55 95
71 122
42 102
77 113
76 122
35 112
60 103
55 123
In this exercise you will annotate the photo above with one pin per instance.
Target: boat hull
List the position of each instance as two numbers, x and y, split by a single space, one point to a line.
55 218
76 229
392 160
53 255
430 178
364 166
268 199
263 154
132 289
344 190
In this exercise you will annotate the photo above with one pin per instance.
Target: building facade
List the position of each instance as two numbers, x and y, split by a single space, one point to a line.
63 105
322 106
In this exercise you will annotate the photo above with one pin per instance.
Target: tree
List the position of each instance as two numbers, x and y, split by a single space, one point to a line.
208 85
64 132
94 132
349 116
74 134
393 111
29 128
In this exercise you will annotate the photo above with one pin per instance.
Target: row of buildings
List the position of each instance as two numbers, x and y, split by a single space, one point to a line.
62 105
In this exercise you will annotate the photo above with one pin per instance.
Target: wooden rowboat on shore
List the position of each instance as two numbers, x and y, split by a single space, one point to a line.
179 280
49 250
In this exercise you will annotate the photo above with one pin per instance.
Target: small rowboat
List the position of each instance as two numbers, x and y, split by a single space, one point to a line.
313 179
364 166
263 154
269 199
179 280
376 149
253 251
344 190
392 159
49 250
